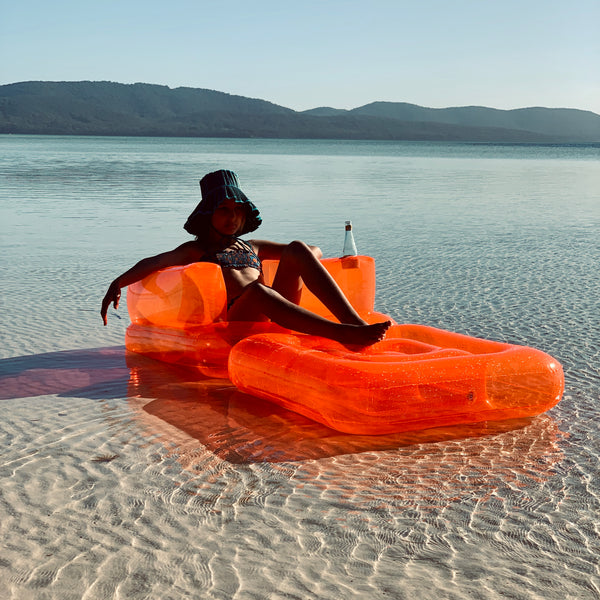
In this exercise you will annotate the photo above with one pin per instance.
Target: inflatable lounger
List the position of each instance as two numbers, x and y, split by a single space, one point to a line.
418 377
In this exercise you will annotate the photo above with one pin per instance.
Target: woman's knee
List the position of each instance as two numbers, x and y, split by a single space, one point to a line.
300 250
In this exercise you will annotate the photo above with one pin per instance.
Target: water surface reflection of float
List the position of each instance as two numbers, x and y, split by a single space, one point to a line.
418 377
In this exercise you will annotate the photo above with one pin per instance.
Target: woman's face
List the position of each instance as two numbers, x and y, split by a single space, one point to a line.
229 217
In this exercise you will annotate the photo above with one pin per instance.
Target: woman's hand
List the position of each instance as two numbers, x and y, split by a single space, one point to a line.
112 295
317 252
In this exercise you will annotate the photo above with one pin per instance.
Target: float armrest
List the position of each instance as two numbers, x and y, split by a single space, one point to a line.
179 297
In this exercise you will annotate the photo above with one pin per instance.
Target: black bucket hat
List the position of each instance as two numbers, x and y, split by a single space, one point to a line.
217 187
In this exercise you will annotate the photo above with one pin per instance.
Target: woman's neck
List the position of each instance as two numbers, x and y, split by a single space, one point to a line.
217 240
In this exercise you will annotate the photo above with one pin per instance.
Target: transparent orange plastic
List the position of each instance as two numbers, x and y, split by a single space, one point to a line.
418 377
178 314
179 297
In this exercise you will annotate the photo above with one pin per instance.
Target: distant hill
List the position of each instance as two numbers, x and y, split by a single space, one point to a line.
561 122
106 108
325 111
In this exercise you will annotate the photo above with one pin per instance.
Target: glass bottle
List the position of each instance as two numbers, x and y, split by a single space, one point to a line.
349 245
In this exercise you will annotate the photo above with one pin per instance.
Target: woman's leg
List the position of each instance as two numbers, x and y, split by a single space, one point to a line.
298 264
259 299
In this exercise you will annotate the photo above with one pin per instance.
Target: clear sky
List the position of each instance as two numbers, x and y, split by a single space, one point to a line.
308 53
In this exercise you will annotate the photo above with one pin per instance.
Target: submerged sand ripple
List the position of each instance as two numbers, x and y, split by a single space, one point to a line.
164 496
124 480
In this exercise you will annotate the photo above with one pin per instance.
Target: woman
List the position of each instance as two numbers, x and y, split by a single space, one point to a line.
226 213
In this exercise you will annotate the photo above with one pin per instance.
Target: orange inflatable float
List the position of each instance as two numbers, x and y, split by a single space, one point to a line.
418 377
178 314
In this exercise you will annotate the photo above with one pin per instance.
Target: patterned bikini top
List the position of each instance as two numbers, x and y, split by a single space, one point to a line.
241 255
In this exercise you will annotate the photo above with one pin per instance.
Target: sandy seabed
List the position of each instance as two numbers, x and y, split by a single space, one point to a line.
123 478
126 478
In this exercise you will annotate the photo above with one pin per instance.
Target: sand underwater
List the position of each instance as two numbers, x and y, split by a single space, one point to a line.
122 477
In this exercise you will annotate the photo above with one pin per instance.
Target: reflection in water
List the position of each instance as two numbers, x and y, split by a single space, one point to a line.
238 428
190 415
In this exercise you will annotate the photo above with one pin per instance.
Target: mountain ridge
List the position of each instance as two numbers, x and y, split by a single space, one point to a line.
142 109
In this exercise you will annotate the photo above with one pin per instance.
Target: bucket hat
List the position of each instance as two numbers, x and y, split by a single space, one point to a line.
216 187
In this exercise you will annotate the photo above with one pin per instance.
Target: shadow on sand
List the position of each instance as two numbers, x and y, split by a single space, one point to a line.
235 427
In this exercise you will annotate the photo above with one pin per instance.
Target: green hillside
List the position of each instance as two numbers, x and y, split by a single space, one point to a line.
106 108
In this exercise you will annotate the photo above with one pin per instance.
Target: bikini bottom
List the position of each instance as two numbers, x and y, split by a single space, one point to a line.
234 300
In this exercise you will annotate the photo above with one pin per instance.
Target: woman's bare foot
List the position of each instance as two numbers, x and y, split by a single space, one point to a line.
362 335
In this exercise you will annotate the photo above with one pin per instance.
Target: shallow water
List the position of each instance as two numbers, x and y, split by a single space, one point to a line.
124 478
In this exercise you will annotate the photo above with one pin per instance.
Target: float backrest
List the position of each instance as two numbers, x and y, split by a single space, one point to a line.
195 294
354 274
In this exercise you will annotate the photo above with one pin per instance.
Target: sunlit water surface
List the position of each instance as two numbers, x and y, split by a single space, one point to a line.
124 478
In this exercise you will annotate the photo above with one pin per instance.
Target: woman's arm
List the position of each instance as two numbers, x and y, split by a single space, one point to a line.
182 255
272 250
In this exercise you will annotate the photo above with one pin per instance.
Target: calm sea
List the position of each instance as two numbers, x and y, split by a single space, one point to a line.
122 478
